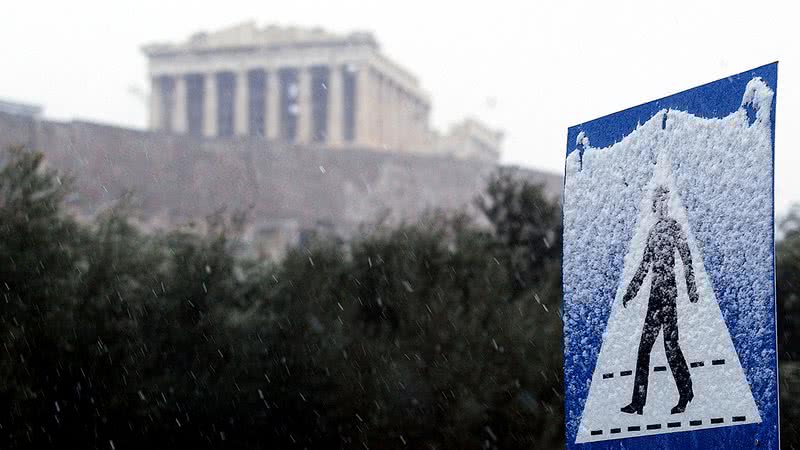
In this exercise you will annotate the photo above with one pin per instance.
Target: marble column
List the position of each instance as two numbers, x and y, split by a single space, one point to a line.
406 133
156 103
392 116
210 106
273 105
240 110
364 131
374 122
335 105
401 118
381 96
416 117
180 123
304 114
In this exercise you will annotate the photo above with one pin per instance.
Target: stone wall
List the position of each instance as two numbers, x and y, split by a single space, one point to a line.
177 179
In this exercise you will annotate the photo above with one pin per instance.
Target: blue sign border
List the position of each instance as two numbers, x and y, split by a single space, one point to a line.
716 99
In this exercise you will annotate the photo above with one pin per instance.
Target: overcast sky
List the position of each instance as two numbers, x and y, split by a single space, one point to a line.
529 69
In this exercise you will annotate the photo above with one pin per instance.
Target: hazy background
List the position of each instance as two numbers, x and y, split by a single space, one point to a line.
529 69
132 329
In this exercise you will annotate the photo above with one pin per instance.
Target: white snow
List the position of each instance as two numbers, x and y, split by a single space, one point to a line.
719 171
582 139
721 391
759 96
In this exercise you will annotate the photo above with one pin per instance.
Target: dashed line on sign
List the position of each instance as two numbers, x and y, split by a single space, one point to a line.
693 365
658 426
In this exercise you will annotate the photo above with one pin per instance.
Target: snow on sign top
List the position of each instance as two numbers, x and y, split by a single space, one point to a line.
668 276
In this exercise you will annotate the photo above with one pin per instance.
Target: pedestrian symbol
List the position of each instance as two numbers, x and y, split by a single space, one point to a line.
668 274
667 347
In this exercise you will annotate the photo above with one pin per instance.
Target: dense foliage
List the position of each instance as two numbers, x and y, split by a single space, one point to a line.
436 334
787 266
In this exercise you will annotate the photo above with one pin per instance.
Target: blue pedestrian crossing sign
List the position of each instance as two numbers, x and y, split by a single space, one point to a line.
668 272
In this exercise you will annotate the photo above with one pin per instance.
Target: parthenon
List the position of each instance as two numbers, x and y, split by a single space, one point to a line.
303 86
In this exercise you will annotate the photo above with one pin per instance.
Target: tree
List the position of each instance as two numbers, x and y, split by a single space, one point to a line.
438 333
527 227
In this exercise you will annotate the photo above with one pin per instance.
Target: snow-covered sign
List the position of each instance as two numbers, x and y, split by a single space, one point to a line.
668 273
